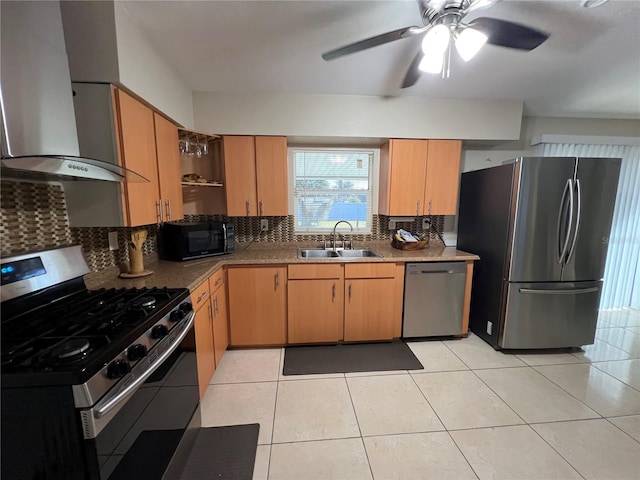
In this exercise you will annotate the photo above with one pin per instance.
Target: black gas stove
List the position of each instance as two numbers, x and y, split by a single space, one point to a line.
92 370
70 339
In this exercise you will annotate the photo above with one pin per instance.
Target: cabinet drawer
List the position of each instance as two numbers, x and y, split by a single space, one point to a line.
216 280
370 270
315 271
200 295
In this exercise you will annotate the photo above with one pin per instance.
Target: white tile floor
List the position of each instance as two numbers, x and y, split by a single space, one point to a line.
471 413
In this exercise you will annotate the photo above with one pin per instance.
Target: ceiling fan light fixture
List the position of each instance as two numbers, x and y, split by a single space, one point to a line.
436 39
469 42
432 62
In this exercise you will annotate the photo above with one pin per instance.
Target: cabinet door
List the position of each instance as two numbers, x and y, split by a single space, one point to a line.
204 347
138 144
220 323
369 309
315 310
169 171
257 305
240 175
403 176
271 176
443 177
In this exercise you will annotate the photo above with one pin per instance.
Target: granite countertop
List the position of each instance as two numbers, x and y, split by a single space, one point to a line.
192 273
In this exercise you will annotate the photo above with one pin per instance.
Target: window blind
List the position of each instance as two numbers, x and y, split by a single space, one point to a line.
332 185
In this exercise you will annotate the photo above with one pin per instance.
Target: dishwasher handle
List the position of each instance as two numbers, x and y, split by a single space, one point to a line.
427 268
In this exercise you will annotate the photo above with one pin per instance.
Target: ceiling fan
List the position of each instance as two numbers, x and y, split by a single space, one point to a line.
443 26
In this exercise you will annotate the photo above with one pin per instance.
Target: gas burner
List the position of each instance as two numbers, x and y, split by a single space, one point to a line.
144 302
70 348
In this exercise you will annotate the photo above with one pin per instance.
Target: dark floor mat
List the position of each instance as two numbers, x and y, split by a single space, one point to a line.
223 452
361 357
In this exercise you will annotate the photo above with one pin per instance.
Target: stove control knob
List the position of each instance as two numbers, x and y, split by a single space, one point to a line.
185 307
176 316
159 331
136 352
118 369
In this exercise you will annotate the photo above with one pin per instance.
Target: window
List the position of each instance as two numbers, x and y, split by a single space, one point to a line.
332 185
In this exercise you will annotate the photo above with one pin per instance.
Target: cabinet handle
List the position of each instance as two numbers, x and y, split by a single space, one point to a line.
215 305
210 311
333 294
204 294
261 208
159 205
248 208
349 291
277 279
168 205
429 207
218 281
418 208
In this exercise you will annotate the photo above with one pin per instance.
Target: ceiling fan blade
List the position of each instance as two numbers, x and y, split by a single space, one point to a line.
413 73
372 42
509 34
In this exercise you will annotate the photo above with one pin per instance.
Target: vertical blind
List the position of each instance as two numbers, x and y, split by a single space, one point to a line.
622 269
330 186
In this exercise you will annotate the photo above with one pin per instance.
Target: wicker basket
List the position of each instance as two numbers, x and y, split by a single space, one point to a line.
395 243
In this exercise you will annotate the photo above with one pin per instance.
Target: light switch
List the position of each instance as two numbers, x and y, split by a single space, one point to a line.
113 241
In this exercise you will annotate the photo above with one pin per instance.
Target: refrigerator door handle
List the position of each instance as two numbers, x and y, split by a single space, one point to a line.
574 291
562 249
578 212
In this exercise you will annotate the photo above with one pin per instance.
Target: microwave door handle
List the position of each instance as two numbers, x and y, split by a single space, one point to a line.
224 236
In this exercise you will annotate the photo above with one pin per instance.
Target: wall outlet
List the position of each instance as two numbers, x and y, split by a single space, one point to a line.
489 328
426 224
113 241
392 224
264 225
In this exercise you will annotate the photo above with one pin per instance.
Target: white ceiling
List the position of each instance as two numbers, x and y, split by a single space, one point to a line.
589 67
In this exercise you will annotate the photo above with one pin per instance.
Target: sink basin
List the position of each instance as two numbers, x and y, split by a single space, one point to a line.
316 253
358 253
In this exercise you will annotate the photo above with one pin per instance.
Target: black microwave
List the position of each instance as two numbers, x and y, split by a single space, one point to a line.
188 240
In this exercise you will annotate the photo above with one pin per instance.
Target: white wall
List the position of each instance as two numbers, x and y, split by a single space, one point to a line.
355 116
146 73
476 156
105 44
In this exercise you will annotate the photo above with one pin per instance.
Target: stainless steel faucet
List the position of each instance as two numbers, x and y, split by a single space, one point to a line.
333 235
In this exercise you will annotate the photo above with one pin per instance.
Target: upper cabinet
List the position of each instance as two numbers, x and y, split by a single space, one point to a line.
115 127
419 177
255 175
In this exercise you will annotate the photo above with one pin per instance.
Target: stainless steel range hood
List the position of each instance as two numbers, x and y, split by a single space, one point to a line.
39 134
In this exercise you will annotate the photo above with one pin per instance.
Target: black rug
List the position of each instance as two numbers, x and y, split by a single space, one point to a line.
223 452
360 357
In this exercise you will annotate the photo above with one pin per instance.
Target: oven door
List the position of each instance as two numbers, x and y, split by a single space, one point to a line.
151 426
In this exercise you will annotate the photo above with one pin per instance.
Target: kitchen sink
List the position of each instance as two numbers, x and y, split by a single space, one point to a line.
316 253
358 253
328 253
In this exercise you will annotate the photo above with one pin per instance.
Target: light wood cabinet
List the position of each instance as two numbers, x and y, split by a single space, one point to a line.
217 285
169 168
419 177
372 309
116 127
257 305
255 175
138 147
315 303
205 358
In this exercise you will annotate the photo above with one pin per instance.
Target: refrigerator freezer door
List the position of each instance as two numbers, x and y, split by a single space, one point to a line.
596 187
541 219
550 315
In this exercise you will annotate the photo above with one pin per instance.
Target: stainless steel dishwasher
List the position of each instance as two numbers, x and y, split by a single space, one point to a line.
433 298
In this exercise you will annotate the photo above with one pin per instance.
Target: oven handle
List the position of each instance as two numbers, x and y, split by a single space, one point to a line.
105 405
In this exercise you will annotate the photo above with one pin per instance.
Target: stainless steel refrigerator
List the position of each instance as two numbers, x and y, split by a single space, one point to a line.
541 228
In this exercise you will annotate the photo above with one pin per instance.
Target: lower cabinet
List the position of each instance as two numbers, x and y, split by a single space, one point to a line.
204 346
352 302
217 285
315 303
257 305
372 309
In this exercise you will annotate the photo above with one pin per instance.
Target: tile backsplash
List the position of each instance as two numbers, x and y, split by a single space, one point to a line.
33 216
